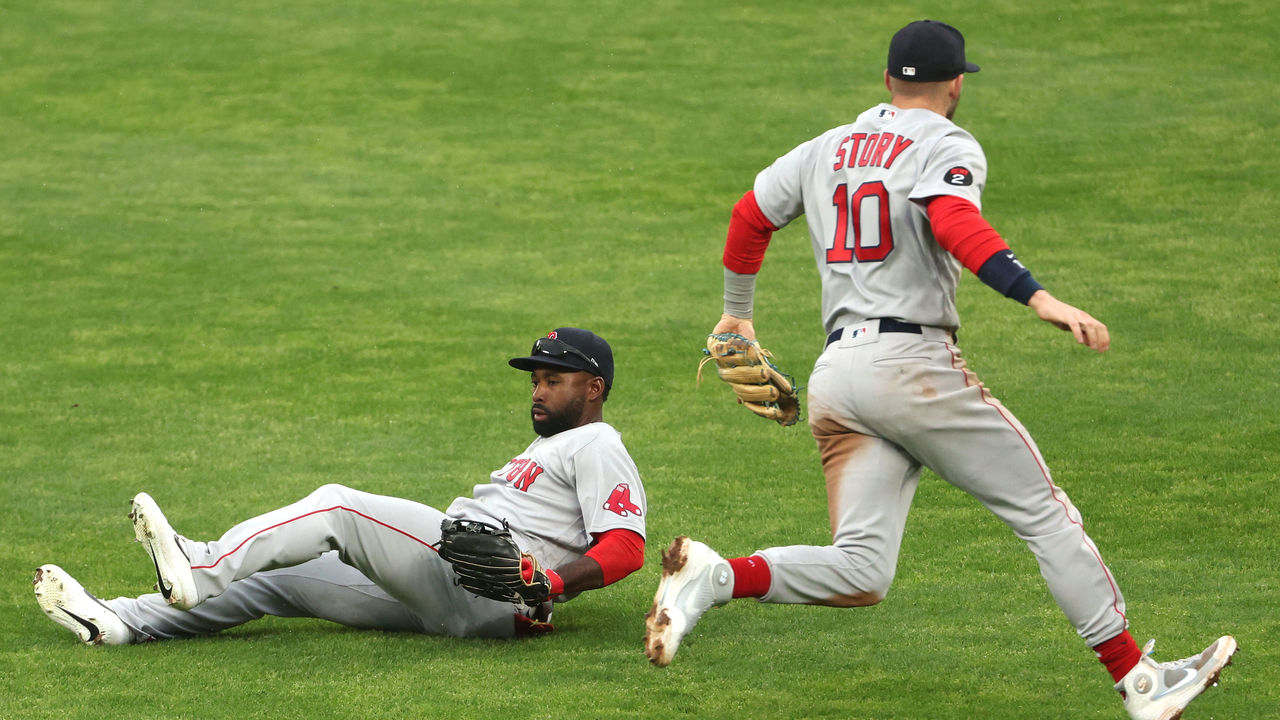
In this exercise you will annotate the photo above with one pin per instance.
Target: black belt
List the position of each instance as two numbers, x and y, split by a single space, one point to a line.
886 325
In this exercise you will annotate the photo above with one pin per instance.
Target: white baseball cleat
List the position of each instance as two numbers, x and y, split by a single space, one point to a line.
1161 691
694 579
173 569
67 603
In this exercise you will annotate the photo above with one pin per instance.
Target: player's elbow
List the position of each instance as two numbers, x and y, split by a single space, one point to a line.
619 553
624 564
631 564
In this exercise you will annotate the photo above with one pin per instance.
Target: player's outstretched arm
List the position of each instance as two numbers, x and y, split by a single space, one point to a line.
1086 329
731 324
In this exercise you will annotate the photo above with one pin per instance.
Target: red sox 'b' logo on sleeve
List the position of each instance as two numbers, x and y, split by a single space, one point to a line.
620 501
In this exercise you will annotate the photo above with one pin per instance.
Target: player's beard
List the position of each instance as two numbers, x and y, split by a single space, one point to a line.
558 422
954 104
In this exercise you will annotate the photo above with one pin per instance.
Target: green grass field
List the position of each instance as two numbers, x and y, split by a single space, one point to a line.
250 248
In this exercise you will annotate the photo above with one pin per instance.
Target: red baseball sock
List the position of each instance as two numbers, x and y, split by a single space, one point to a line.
1119 654
751 576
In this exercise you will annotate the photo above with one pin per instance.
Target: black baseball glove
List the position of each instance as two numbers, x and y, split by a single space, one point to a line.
490 564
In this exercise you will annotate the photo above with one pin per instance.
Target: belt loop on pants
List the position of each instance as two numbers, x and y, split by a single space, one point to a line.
890 325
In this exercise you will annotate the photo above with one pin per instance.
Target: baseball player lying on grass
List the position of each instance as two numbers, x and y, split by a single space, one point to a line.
892 203
572 502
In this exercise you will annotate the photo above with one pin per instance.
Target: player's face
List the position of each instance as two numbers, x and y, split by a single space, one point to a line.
559 400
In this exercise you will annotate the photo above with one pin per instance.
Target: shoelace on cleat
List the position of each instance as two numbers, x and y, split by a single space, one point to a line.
1184 663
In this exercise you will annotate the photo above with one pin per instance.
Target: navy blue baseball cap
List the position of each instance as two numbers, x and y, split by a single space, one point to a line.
572 349
928 51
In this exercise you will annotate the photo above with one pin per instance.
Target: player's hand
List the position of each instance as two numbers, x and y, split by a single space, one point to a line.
731 324
1082 325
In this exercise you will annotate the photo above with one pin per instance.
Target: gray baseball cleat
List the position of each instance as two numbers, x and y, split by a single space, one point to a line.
1161 691
173 568
67 603
694 579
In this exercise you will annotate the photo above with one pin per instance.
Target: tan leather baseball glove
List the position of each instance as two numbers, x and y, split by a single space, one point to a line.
759 384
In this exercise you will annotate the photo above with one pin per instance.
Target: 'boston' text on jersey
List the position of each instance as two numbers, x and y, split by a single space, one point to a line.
522 473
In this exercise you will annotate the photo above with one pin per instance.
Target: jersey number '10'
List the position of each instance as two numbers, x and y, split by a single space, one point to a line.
870 244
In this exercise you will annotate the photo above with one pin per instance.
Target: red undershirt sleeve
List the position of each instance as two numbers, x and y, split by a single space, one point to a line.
961 230
749 234
620 552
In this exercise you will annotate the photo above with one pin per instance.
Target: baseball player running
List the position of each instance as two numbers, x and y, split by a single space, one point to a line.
892 202
573 502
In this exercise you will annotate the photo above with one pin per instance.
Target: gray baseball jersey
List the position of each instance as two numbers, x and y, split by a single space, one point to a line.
370 561
857 186
560 491
889 398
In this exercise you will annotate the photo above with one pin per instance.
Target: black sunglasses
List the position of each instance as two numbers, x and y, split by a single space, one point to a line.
556 348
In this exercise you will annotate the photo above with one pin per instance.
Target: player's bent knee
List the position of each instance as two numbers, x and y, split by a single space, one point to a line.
331 490
866 576
851 600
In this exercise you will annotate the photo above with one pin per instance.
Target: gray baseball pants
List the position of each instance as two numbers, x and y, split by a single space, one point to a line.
339 554
881 407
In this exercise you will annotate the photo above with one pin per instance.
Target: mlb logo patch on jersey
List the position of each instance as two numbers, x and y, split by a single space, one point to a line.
958 175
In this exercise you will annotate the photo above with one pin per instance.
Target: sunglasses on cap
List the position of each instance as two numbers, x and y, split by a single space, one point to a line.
556 348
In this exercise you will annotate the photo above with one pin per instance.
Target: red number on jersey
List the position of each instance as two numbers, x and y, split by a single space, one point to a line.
839 251
849 214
